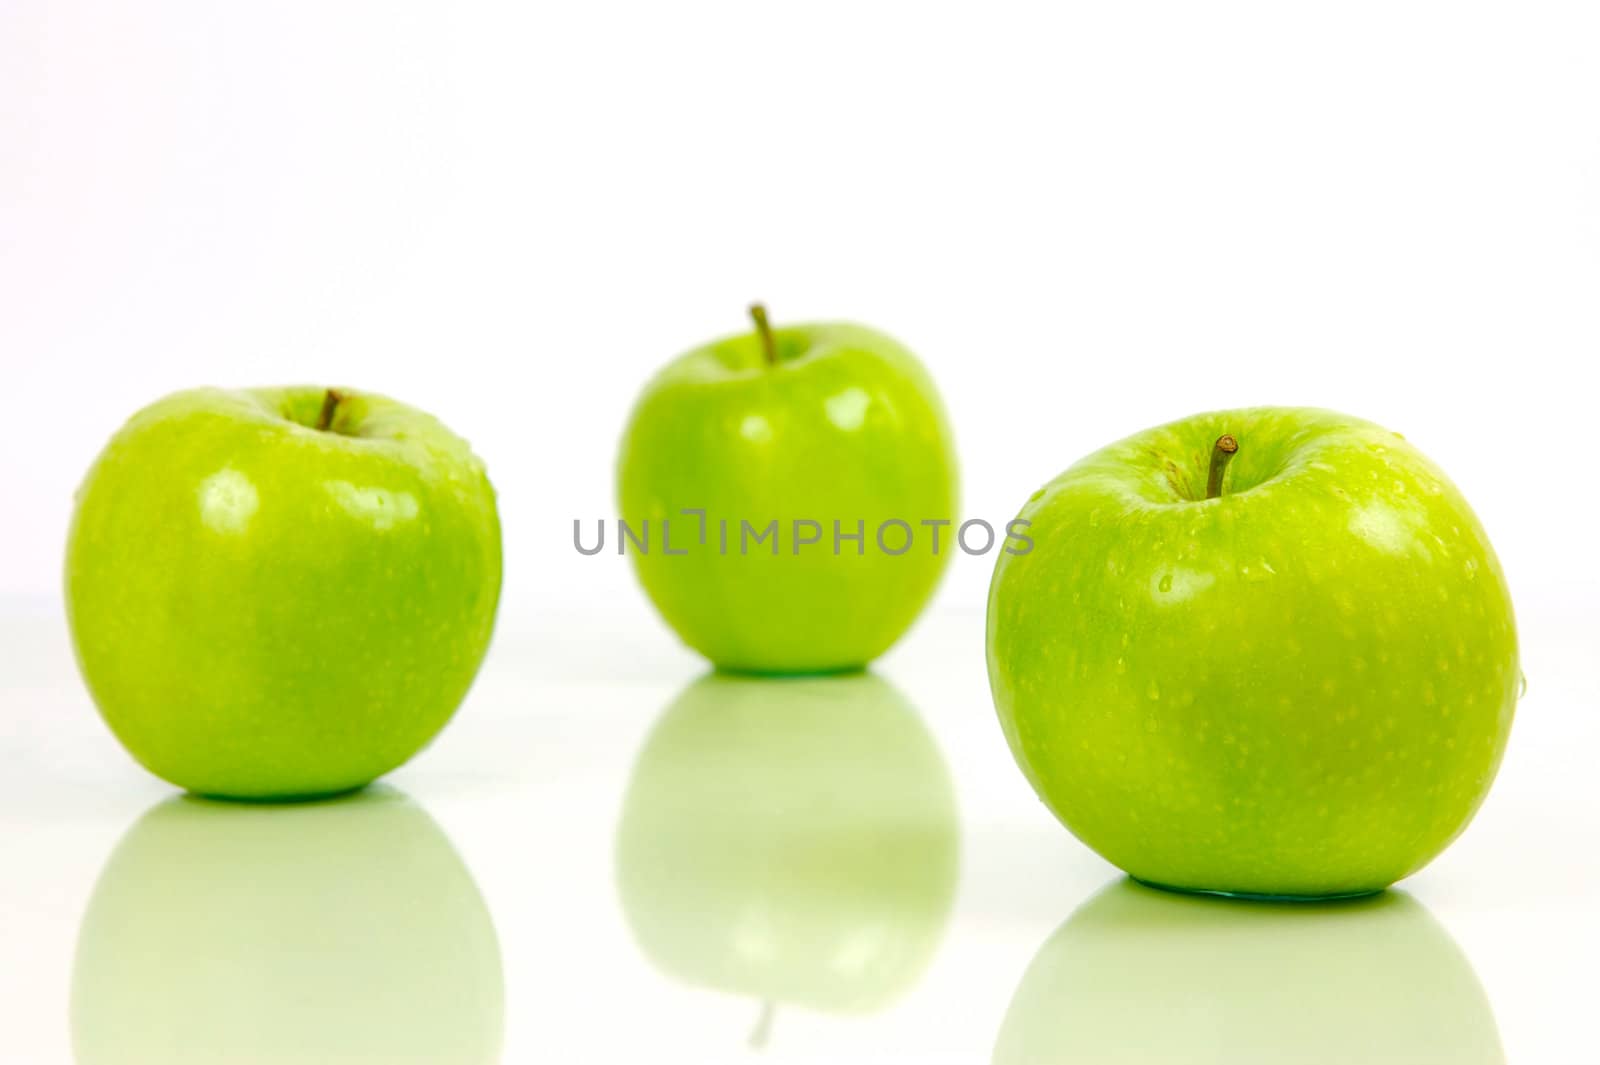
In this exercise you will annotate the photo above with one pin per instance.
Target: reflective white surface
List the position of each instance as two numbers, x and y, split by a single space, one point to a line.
567 875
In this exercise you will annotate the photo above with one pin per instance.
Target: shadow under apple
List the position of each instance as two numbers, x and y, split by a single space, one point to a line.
1140 975
339 931
792 840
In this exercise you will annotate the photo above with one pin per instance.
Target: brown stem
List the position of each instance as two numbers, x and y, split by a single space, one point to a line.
769 347
330 407
1221 454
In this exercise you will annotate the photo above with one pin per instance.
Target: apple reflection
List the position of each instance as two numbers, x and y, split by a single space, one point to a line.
1148 976
791 840
339 931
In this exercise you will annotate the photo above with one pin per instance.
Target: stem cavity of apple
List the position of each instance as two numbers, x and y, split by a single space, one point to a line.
1226 447
330 407
769 347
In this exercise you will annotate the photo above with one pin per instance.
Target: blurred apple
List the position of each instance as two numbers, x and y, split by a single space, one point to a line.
1146 977
831 424
790 840
333 932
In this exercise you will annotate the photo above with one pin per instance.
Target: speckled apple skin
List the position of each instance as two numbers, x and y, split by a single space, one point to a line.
846 427
265 610
1302 688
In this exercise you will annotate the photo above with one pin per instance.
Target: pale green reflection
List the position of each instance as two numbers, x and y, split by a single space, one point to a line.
792 840
1143 976
327 932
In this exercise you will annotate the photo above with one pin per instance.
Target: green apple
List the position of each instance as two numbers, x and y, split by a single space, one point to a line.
281 593
790 840
1290 674
1147 977
345 930
830 424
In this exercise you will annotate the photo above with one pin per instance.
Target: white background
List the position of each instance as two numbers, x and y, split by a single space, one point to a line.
1086 219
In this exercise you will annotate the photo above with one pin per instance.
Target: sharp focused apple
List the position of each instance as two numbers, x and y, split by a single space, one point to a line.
1142 977
1292 673
792 840
823 423
281 593
337 931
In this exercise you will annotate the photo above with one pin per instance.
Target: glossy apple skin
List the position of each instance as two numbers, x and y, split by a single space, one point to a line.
1302 688
1143 977
345 930
266 610
793 840
847 427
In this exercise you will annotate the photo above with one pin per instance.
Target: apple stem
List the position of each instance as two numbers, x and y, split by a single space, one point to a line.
330 407
769 348
1224 450
763 1029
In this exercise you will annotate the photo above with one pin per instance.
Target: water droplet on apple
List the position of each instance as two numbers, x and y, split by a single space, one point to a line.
1261 571
1154 691
1166 582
